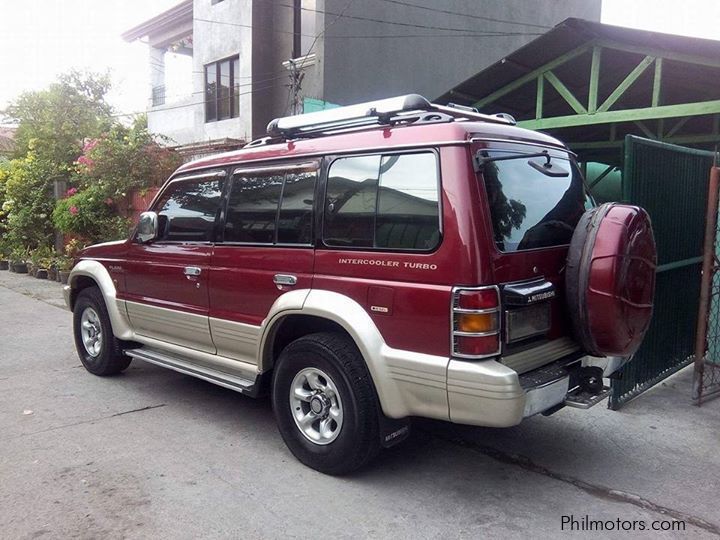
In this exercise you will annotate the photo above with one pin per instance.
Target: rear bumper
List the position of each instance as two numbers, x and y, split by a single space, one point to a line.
488 393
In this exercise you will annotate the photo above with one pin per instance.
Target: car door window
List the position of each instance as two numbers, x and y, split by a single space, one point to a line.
273 206
296 209
187 209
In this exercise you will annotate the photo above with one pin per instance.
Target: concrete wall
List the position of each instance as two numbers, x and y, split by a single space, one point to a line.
358 69
218 41
184 122
177 121
273 43
349 67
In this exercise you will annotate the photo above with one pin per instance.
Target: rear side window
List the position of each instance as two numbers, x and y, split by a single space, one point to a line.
383 202
271 207
187 209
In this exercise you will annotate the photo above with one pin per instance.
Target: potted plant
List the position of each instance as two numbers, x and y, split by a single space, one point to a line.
18 258
4 256
32 262
64 266
53 269
42 258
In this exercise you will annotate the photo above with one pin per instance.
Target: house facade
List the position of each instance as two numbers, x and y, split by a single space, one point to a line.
254 60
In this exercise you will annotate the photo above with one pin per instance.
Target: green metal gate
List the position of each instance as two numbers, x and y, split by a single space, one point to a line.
670 182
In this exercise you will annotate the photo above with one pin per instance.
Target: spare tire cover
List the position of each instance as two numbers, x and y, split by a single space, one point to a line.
610 279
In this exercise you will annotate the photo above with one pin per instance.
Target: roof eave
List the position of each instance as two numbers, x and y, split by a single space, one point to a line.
176 15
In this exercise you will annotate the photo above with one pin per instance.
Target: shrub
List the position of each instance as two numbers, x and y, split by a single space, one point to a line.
89 214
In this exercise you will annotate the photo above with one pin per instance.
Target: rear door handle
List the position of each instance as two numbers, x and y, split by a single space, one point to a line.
192 271
285 279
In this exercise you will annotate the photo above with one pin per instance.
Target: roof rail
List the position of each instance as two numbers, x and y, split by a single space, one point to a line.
401 109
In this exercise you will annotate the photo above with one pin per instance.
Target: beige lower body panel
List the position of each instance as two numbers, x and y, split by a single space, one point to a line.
172 326
235 340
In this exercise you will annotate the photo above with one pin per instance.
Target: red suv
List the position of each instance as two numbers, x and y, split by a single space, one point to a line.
374 263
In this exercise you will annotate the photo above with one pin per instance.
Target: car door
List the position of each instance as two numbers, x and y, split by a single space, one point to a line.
266 250
167 279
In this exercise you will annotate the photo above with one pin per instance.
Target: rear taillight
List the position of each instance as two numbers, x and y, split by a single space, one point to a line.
475 322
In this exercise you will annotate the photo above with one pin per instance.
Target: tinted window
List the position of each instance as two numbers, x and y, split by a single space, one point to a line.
383 202
187 210
529 209
296 210
407 208
271 207
351 199
252 208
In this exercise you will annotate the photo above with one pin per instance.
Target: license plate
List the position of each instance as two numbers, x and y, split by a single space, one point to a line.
527 322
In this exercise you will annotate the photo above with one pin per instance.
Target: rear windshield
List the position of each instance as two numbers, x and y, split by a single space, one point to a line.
529 209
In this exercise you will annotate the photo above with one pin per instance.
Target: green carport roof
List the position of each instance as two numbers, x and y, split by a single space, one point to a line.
590 84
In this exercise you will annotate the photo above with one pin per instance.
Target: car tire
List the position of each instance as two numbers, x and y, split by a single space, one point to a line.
610 279
325 403
100 352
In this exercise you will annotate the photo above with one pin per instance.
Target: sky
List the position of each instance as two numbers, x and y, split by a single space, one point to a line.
40 39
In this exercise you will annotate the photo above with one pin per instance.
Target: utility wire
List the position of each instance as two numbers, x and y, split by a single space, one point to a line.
380 21
459 32
183 105
259 82
160 66
465 31
468 15
297 74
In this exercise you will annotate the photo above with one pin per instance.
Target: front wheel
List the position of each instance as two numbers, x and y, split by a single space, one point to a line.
325 403
99 351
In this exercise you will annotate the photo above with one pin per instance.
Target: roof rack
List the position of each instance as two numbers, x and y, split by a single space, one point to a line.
409 109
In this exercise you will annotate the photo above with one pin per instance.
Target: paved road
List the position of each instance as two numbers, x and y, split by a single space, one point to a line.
153 453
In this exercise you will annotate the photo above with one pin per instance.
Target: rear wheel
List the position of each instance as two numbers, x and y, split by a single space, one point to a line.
325 403
100 352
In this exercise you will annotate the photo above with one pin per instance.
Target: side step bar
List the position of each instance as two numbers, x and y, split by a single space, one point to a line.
187 367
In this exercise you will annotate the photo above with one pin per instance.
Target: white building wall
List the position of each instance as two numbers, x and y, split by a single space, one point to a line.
184 121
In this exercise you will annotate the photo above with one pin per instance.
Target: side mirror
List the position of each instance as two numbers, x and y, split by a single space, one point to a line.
147 230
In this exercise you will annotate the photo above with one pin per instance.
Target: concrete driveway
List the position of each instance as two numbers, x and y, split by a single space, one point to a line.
153 453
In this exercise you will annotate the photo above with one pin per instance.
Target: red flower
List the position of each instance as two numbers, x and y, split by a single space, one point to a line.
84 160
73 210
70 192
89 145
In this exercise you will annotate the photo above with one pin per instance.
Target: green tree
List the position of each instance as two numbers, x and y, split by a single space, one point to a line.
122 160
55 121
52 126
28 203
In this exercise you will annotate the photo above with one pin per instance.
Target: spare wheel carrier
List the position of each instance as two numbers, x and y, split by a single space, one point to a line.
610 279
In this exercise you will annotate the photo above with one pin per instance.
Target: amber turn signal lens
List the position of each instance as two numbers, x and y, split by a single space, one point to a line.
477 322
